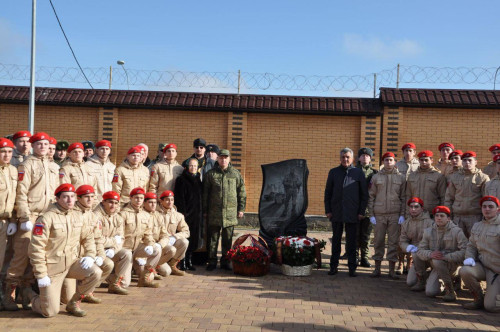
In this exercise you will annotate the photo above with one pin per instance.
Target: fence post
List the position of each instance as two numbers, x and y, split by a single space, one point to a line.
397 78
375 85
239 80
110 76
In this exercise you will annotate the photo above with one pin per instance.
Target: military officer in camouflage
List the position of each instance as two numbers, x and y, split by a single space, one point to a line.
224 200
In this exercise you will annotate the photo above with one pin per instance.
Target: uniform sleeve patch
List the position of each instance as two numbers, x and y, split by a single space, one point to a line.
115 178
38 229
61 175
20 176
152 172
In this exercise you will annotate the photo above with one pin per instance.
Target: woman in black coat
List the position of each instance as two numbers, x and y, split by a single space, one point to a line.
188 193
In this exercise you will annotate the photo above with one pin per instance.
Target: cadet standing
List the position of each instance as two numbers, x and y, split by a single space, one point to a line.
74 170
52 148
106 214
412 231
22 148
8 185
490 169
444 164
409 163
61 152
386 207
456 162
37 181
52 253
165 172
493 186
138 233
130 174
88 149
103 169
174 238
224 200
365 227
482 258
465 189
427 183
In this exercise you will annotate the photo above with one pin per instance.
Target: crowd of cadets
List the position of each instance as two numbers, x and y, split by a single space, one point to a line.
70 220
74 220
444 215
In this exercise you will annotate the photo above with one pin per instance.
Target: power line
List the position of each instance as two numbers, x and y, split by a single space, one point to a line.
67 41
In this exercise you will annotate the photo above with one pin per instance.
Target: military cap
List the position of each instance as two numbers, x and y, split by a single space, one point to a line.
446 145
150 195
170 146
367 151
84 190
161 146
64 188
167 193
52 141
74 146
62 145
6 143
425 153
441 209
41 136
415 200
456 152
134 149
489 199
137 191
409 146
388 154
22 133
494 147
496 158
88 145
111 195
103 142
199 142
224 152
469 154
213 148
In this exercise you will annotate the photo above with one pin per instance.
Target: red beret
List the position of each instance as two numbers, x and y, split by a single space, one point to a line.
388 154
166 193
150 196
110 195
134 149
170 146
496 158
441 209
76 145
6 143
494 147
103 143
39 137
137 191
446 145
489 199
409 146
456 153
415 200
425 153
52 141
84 190
22 133
469 154
65 187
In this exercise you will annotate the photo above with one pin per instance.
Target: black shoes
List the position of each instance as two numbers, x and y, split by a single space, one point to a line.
333 271
182 265
364 262
352 273
189 263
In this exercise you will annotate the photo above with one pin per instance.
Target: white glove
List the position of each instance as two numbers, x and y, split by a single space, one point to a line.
99 261
157 245
44 282
149 250
401 220
171 240
27 226
118 239
469 262
110 253
411 248
11 229
373 220
86 262
141 261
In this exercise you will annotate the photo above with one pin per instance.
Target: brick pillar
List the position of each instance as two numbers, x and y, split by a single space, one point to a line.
236 138
393 122
370 136
108 128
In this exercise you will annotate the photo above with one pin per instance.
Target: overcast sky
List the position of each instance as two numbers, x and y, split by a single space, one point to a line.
280 37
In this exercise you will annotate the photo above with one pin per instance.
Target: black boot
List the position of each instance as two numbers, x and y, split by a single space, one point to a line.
189 263
182 265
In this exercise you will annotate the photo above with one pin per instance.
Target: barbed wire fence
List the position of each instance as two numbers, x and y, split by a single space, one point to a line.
245 81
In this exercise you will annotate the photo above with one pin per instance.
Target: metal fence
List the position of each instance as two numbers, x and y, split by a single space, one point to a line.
399 76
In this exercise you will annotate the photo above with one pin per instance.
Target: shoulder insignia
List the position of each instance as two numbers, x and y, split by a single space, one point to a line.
20 176
115 178
38 229
61 175
152 172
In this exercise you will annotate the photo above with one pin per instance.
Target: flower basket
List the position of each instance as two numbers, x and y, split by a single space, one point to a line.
297 254
296 271
253 260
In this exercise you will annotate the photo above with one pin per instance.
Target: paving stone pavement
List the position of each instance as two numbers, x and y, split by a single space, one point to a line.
222 301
